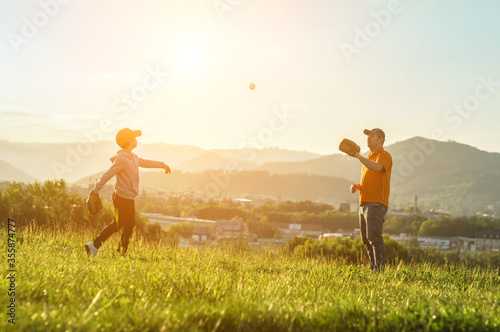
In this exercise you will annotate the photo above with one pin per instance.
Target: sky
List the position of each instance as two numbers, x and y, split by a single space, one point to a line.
180 71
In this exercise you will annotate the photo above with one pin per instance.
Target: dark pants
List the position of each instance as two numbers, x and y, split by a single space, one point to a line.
371 221
124 219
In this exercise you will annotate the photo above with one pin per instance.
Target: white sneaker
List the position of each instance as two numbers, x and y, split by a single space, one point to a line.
91 249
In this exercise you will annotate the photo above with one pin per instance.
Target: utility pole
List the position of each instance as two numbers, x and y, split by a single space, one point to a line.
415 207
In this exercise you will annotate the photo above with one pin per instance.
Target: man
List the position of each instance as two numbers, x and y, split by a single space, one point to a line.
126 169
374 189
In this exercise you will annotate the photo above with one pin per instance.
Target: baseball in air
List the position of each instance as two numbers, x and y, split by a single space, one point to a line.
251 86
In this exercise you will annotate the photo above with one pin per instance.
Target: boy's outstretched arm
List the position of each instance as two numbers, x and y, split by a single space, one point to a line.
146 163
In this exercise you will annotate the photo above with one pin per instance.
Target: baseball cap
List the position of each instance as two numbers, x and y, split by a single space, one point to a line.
377 131
125 135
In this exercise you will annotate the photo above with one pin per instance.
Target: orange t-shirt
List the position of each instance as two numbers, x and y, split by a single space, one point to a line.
375 187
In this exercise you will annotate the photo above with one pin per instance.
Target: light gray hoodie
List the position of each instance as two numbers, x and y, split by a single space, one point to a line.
126 168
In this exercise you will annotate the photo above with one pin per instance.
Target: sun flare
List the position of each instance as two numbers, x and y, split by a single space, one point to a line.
189 58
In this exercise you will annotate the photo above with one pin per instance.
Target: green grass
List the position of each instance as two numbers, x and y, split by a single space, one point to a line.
156 288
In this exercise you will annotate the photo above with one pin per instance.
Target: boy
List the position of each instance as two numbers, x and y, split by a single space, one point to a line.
126 169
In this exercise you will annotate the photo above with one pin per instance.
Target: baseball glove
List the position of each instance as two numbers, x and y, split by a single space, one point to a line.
349 147
94 203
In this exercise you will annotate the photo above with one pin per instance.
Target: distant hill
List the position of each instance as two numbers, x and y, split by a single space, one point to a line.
412 158
258 183
212 160
45 161
266 155
333 165
73 161
422 157
11 173
445 175
461 192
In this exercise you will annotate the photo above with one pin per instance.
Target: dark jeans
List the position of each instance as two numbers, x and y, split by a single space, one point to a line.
371 221
124 219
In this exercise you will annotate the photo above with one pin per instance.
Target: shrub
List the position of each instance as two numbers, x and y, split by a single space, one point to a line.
351 251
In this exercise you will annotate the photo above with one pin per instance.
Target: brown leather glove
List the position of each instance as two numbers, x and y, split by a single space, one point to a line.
94 203
349 147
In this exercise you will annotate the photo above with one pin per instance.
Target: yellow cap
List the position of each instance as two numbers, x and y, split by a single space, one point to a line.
125 135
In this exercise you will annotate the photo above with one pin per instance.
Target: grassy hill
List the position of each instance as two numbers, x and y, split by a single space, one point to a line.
160 288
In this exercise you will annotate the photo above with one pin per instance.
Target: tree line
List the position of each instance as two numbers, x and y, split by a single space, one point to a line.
354 252
443 226
51 205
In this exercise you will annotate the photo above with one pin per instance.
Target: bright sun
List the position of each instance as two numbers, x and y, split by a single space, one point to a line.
189 58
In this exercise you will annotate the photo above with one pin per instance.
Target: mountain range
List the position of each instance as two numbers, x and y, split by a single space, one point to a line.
10 173
73 161
443 175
